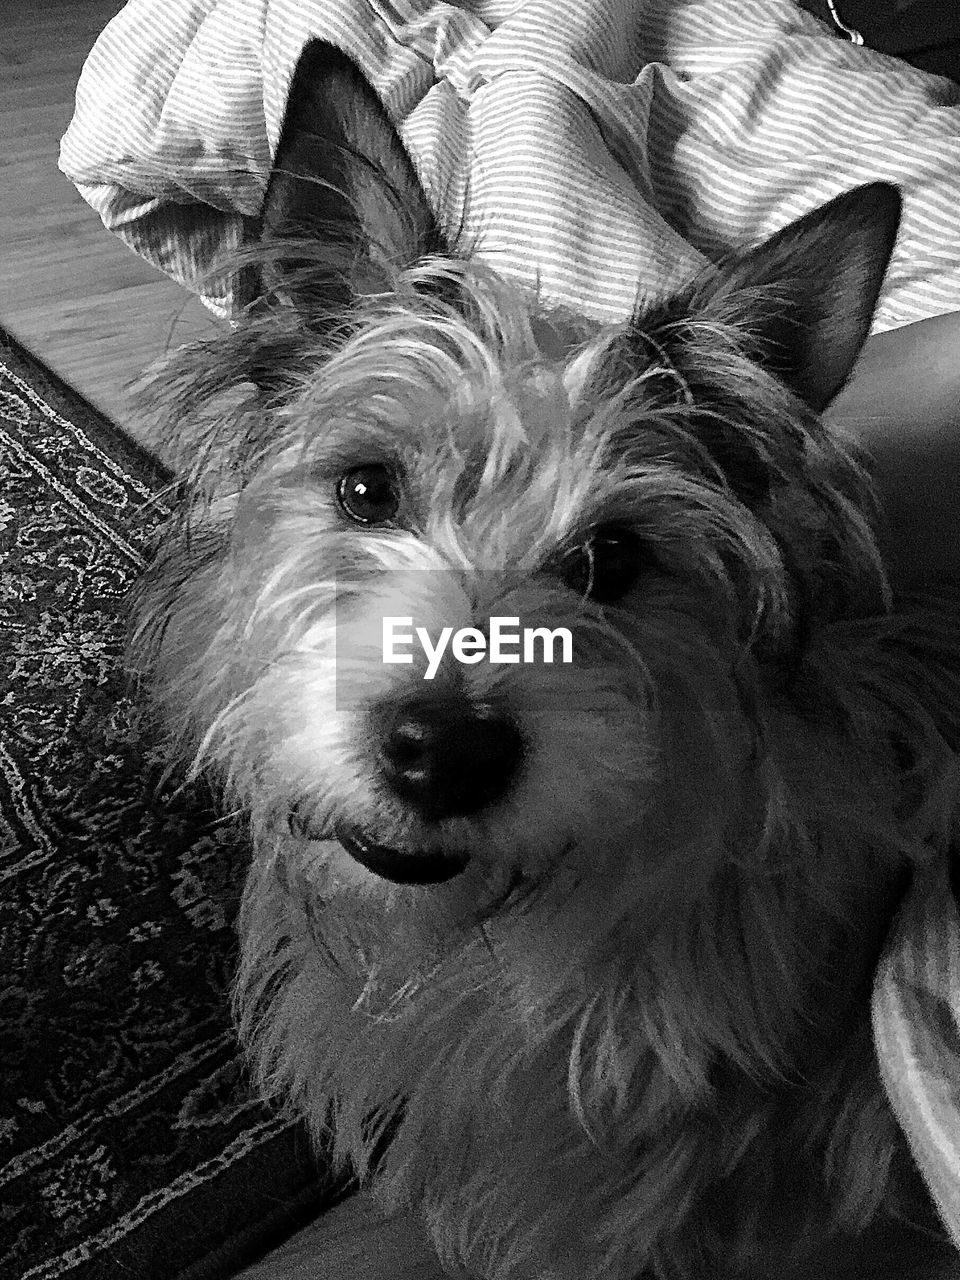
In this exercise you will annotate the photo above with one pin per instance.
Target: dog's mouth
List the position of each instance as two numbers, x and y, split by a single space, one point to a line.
401 866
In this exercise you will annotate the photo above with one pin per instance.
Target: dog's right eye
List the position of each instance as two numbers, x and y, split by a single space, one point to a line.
368 494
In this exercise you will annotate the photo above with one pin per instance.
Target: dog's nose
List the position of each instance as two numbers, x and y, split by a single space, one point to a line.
446 757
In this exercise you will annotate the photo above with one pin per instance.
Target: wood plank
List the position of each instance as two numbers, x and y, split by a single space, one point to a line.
69 289
354 1241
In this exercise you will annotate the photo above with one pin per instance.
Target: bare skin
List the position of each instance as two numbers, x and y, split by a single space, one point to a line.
902 407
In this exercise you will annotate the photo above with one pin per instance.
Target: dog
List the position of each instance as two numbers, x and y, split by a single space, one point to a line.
572 958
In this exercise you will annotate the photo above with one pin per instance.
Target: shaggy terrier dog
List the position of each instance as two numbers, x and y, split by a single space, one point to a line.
571 957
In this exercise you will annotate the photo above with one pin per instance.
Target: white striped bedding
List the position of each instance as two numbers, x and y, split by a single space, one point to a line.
916 1024
607 144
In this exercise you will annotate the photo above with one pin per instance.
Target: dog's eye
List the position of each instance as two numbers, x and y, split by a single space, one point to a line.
605 566
368 494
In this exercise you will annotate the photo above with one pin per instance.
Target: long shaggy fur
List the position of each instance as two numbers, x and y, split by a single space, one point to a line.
631 1038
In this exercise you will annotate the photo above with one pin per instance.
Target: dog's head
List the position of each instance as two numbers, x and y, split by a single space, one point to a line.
395 432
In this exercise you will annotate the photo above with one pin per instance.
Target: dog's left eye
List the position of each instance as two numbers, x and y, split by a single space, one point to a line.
605 566
368 494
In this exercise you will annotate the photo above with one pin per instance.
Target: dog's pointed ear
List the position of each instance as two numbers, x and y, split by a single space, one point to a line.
344 204
805 298
799 305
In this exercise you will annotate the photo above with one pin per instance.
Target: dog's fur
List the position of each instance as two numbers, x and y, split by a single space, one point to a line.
622 1029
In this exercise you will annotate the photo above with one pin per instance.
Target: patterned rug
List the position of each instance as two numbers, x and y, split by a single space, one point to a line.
130 1145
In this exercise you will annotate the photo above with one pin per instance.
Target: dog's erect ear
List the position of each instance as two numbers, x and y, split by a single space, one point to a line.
805 298
344 201
799 305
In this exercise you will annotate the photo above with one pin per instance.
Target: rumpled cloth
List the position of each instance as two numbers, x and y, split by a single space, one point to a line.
607 147
916 1026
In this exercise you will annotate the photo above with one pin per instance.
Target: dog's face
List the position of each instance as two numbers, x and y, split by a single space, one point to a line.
454 482
509 469
665 492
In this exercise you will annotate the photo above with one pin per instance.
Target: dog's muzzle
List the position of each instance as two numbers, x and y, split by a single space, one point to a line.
441 757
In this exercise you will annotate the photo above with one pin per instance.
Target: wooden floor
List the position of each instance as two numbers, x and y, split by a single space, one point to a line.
354 1241
69 289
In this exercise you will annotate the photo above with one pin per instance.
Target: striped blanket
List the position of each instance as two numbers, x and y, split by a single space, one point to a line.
593 147
603 145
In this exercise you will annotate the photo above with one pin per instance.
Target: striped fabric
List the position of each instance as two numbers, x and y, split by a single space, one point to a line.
916 1023
605 145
